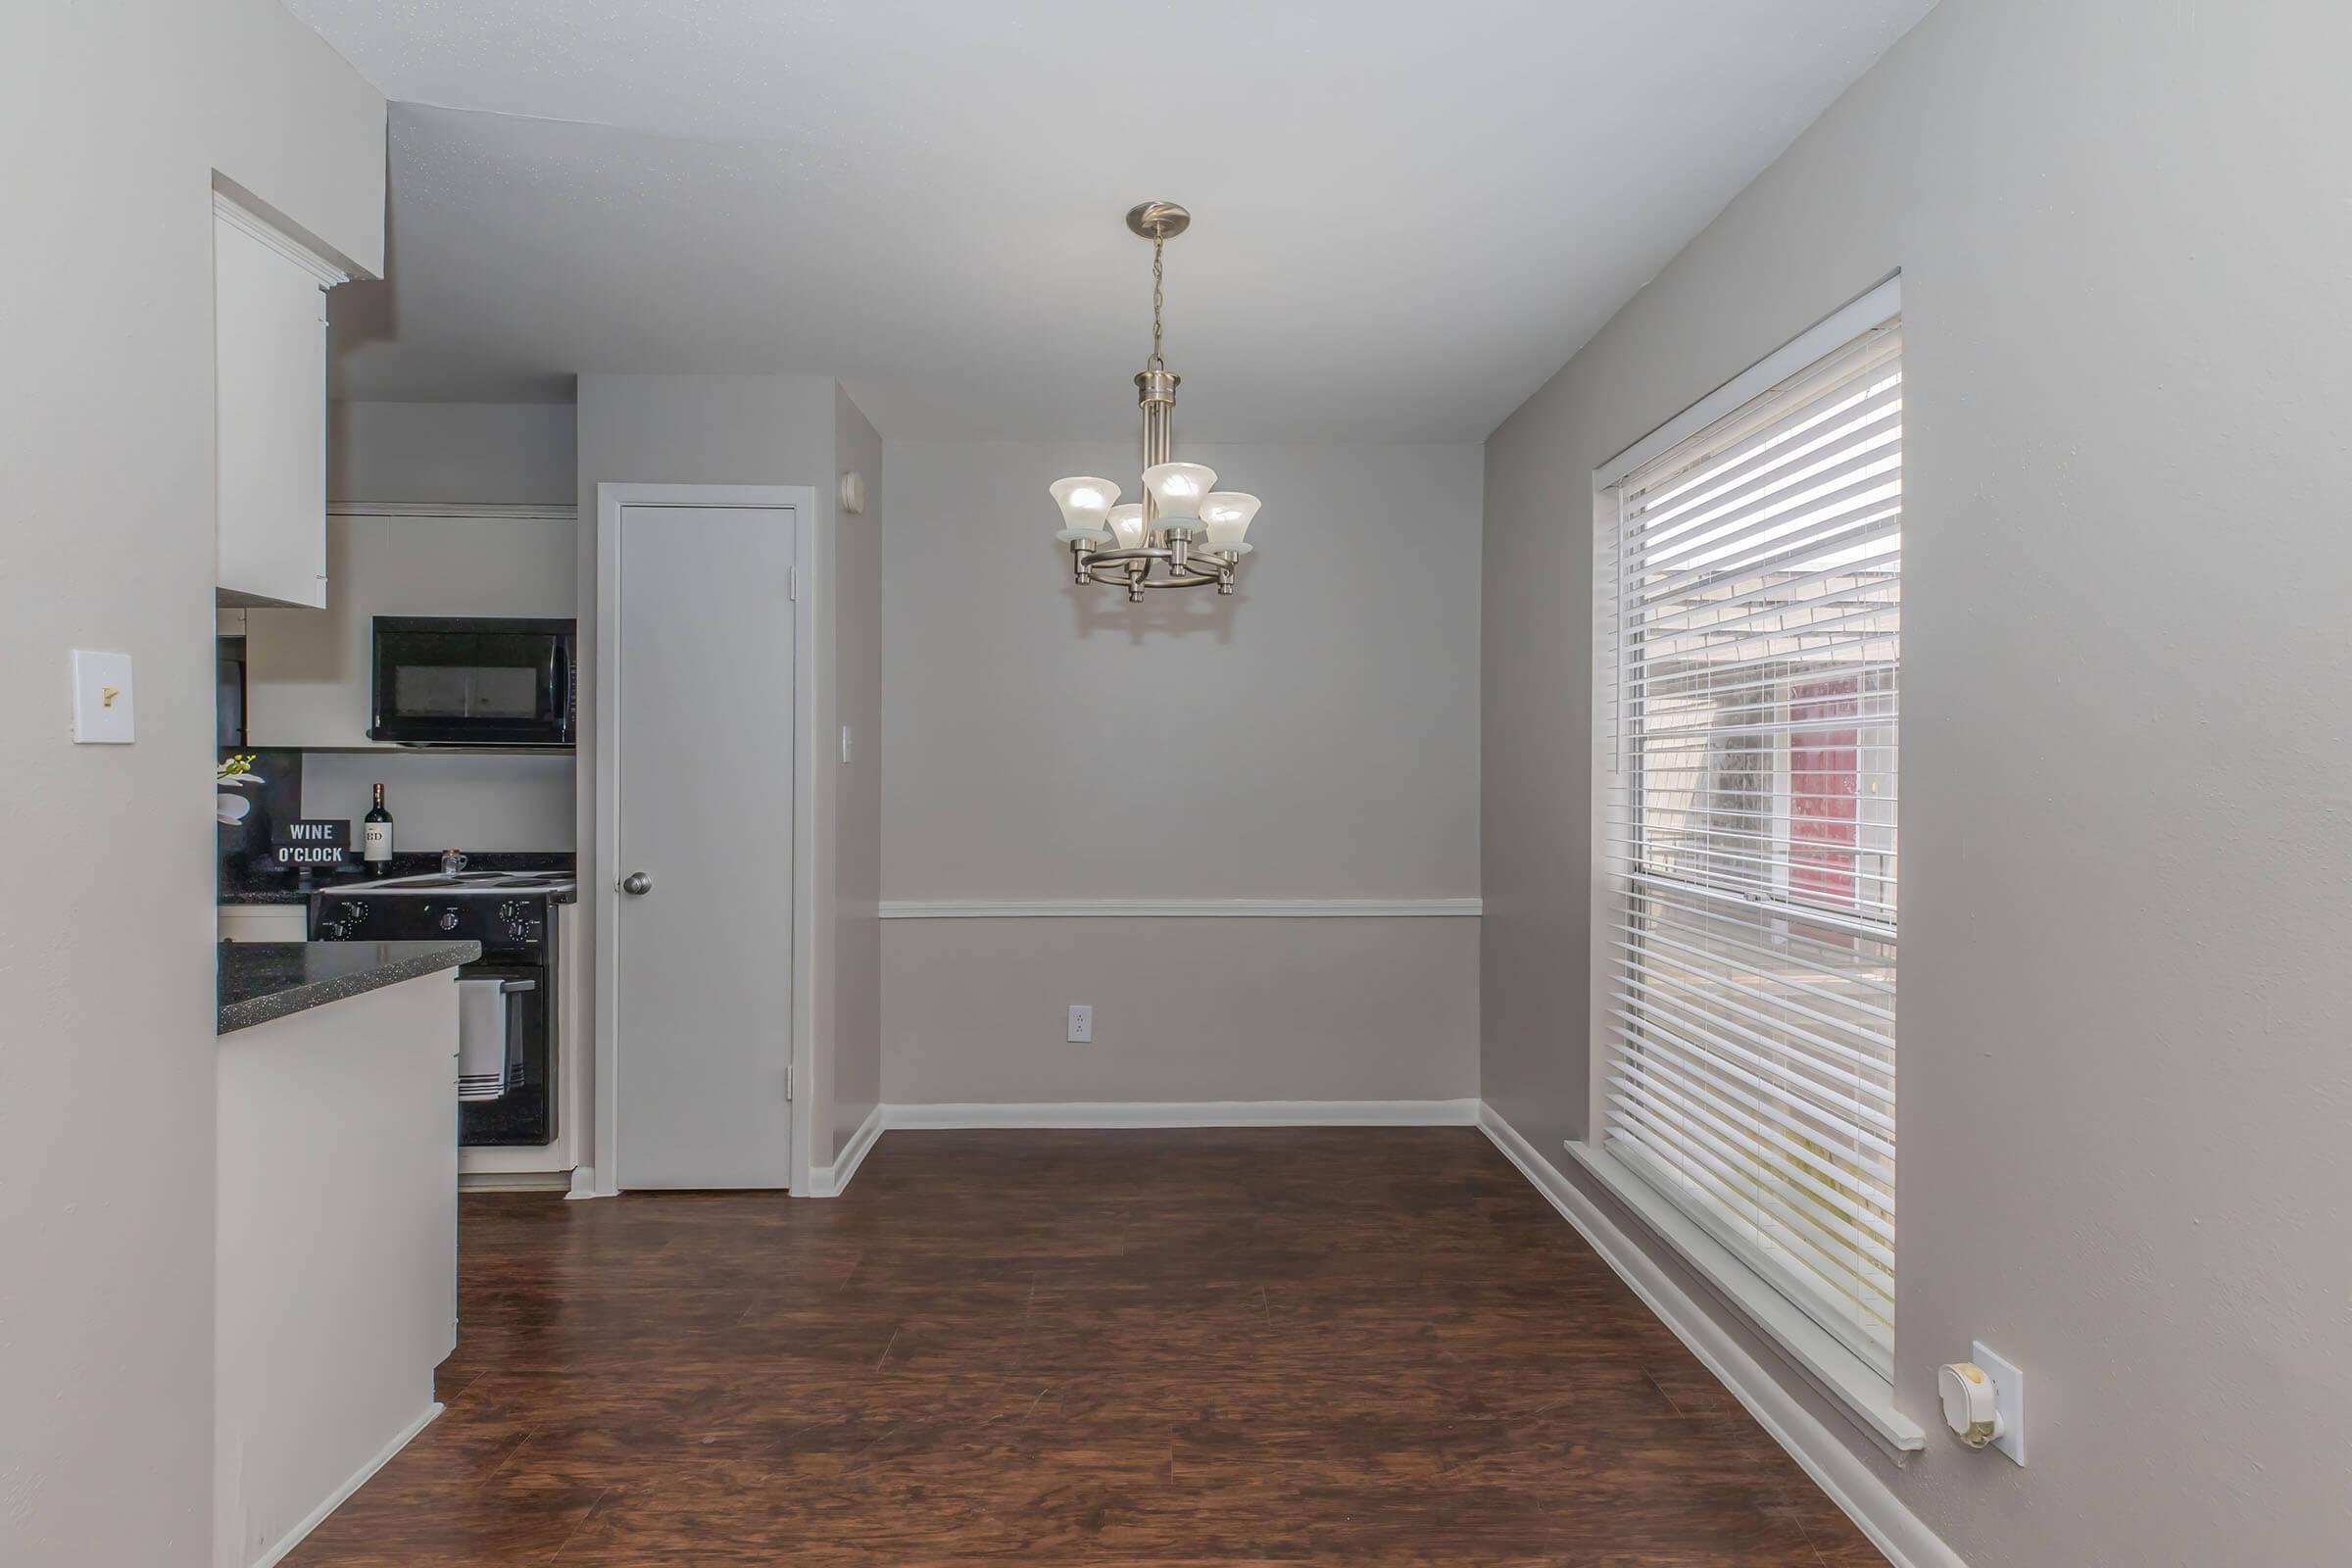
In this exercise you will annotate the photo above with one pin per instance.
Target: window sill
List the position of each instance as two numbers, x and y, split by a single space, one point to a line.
1837 1373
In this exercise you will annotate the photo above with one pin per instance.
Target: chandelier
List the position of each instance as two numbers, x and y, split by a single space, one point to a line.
1185 533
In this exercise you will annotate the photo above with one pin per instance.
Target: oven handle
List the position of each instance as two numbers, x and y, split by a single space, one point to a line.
507 987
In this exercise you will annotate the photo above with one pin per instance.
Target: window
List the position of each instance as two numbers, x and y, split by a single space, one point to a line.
1749 625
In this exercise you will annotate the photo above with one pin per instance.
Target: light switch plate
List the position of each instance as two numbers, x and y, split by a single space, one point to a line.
102 699
2008 1397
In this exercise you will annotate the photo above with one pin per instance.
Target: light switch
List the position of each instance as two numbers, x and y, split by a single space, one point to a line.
102 706
845 743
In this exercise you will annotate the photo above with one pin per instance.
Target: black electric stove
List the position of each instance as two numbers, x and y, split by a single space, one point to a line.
513 916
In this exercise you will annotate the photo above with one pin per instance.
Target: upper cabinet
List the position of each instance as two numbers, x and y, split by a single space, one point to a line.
269 360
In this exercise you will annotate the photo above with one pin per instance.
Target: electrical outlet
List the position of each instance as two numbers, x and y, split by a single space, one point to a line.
2009 1397
1082 1022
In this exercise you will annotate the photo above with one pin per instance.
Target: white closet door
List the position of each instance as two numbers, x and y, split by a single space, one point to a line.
700 761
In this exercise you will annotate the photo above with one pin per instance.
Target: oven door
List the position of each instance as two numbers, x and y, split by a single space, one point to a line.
463 681
522 1111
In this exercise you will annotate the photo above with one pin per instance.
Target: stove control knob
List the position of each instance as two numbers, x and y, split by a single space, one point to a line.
332 933
449 920
354 913
517 931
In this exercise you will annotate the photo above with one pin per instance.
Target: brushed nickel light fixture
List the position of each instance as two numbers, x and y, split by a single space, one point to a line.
1185 533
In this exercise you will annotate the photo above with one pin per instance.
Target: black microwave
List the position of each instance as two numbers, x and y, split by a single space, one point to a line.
473 682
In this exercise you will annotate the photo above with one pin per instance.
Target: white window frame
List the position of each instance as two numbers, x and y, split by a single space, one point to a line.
1851 1383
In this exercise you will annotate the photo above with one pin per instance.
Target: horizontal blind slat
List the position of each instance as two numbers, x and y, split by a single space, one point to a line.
1824 430
1869 1181
1658 910
1797 978
1872 1051
1842 1278
1793 1110
1728 1147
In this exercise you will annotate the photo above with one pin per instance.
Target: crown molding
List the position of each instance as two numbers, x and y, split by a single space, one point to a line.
229 210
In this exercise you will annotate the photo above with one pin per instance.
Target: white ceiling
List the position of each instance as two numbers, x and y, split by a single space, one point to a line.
1406 215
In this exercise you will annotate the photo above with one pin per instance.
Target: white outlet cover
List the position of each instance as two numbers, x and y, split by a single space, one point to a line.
1082 1022
2009 1399
102 699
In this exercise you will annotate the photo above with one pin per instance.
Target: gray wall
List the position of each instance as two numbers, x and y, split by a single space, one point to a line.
448 800
1185 1009
856 1086
523 453
783 430
1313 736
121 114
459 454
2122 232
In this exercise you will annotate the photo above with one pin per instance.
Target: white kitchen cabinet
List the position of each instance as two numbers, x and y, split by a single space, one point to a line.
265 923
270 398
307 673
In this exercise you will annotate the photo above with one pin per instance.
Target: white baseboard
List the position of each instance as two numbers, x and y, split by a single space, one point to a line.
828 1180
514 1181
1191 1113
342 1494
1850 1480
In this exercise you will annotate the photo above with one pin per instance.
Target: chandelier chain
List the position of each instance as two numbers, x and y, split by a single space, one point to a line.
1159 240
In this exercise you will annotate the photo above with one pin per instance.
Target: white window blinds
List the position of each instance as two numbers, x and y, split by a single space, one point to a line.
1750 614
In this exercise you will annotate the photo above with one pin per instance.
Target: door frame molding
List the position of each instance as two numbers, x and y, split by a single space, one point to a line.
800 501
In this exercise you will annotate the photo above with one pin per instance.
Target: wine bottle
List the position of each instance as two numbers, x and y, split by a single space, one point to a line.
375 836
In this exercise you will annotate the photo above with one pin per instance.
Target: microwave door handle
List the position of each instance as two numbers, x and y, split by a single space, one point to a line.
559 684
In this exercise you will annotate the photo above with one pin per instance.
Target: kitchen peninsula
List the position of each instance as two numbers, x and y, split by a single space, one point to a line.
336 1224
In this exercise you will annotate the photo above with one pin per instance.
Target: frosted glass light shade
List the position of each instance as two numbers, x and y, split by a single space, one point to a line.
1127 525
1085 501
1225 515
1178 488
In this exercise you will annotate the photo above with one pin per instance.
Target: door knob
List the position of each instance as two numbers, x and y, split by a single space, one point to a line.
637 882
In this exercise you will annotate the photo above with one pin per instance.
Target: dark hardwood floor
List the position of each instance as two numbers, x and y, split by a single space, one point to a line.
1343 1345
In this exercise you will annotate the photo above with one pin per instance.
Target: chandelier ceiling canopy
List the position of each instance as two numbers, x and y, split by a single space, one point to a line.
1185 532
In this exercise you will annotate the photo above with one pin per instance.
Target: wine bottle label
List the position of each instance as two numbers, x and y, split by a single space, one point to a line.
375 841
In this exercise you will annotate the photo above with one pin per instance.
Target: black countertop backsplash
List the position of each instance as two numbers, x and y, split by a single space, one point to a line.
265 883
245 847
250 874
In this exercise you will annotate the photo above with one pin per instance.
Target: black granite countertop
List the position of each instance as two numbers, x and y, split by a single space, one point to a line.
265 980
285 895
